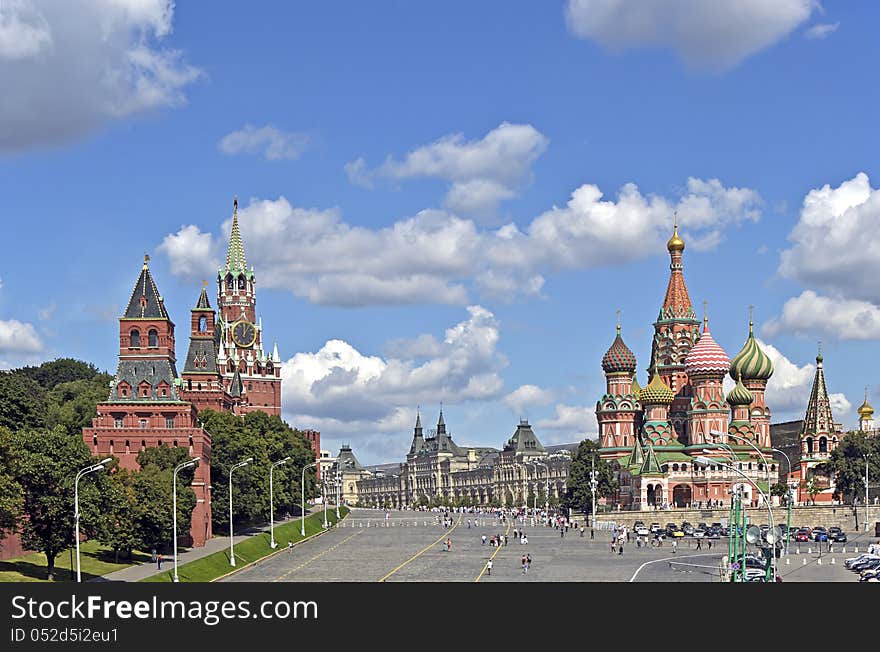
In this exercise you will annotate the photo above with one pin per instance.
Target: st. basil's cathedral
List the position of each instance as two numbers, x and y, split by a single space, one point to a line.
652 435
226 369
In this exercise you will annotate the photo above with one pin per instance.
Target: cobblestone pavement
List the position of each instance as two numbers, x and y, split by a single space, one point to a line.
406 547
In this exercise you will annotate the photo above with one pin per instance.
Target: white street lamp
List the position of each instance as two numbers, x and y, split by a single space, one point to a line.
788 498
302 527
758 450
272 543
336 486
324 500
182 465
866 491
705 461
89 469
231 543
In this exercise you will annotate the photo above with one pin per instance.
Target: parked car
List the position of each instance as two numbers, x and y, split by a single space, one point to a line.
671 529
820 535
655 527
713 534
642 531
687 528
699 533
866 564
802 535
849 563
839 537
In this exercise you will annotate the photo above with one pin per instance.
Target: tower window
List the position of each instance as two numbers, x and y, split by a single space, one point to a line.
117 422
230 282
143 423
242 283
203 324
134 339
169 422
153 338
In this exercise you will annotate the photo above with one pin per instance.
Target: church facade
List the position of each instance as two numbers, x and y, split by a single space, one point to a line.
653 435
226 369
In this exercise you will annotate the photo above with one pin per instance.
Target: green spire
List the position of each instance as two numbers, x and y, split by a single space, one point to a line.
650 466
235 259
637 457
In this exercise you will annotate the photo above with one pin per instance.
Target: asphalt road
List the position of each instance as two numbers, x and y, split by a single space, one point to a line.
365 547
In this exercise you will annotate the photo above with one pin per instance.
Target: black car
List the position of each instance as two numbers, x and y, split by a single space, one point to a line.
838 537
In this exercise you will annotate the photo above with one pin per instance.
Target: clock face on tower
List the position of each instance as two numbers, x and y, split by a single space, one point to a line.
243 333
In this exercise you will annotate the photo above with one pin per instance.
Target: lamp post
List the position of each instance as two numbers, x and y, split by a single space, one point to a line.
179 467
324 500
866 491
89 469
302 526
337 486
733 521
594 483
231 543
272 543
787 499
705 461
758 450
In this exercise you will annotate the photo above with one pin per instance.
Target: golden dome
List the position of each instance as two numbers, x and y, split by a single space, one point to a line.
865 410
675 242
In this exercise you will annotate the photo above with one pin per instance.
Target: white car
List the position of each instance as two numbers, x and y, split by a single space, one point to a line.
699 534
642 531
755 575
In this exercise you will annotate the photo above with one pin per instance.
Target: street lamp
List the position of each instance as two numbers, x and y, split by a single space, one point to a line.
272 543
302 526
336 486
787 499
758 450
865 455
231 544
324 500
705 461
182 465
594 483
89 469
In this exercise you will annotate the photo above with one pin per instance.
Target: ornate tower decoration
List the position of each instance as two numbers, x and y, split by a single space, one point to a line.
739 399
866 416
146 407
202 382
675 333
754 367
250 376
656 398
818 436
706 366
616 410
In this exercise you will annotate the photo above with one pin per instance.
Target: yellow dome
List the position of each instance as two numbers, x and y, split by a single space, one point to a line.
865 410
675 242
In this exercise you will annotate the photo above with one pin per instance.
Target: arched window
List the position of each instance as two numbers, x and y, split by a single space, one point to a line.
684 467
143 444
189 385
200 387
127 446
823 445
134 338
242 367
153 338
675 467
258 368
760 466
203 324
230 282
269 368
111 445
750 466
242 283
230 366
809 445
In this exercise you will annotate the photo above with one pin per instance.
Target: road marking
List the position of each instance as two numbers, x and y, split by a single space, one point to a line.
422 551
497 550
318 556
668 559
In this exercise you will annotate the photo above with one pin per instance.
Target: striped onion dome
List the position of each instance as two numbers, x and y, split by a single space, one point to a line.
656 393
739 395
619 357
706 357
751 362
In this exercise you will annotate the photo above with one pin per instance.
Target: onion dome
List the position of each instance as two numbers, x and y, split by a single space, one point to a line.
618 358
675 243
739 395
706 357
751 362
865 410
656 393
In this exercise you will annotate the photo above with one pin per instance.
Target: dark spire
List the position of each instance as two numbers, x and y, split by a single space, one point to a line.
441 424
418 428
237 386
145 301
203 303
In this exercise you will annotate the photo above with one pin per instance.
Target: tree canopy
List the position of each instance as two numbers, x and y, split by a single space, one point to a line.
579 494
848 463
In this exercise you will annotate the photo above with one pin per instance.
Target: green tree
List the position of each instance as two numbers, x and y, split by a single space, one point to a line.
578 495
266 439
10 493
73 404
45 464
61 370
153 519
847 463
22 402
780 489
118 527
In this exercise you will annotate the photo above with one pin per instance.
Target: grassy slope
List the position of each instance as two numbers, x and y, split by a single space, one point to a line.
95 560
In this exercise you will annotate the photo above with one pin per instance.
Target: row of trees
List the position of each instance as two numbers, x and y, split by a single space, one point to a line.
42 412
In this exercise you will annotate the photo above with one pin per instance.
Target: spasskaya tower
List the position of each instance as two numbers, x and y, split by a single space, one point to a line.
251 376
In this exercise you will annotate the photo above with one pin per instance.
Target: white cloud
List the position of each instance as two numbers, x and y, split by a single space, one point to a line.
821 30
194 255
18 338
437 257
341 384
836 241
269 141
526 396
707 35
483 172
574 421
99 60
812 314
788 390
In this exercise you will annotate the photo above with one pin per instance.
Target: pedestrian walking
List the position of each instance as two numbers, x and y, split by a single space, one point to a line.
159 561
528 562
489 567
523 561
592 534
674 545
699 543
710 544
484 539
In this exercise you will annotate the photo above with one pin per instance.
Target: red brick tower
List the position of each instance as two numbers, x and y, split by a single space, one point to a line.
250 376
202 383
145 407
675 332
616 410
706 365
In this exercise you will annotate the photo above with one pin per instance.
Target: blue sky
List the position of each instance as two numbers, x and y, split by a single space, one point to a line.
435 199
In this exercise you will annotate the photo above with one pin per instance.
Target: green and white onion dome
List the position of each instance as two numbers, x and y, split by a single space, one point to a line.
739 395
751 363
